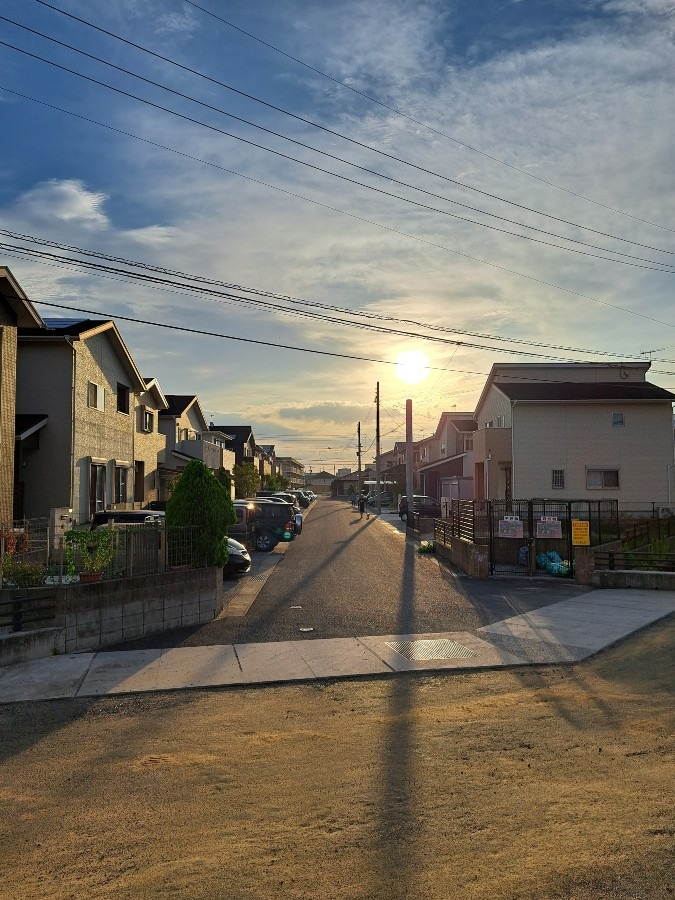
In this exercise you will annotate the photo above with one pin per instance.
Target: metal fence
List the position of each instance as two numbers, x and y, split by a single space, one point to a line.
523 535
32 557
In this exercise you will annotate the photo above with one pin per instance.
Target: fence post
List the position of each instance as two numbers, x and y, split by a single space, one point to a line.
610 564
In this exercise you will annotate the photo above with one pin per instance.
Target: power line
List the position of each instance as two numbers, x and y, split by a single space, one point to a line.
652 265
218 296
410 118
413 237
316 125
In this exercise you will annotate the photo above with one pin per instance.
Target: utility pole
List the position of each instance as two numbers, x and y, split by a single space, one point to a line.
377 450
358 457
409 463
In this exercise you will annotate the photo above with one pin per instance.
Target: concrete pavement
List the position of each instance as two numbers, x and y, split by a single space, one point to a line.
564 632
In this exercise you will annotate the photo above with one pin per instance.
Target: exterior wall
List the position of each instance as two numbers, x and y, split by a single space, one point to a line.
491 455
148 446
100 434
572 437
44 385
293 470
494 405
7 412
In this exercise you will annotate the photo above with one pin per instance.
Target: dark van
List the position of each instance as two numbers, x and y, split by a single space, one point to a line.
126 517
263 524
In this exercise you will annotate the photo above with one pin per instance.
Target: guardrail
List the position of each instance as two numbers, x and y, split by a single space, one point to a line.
26 612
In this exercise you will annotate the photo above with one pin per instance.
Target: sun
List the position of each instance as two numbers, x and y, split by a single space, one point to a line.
412 366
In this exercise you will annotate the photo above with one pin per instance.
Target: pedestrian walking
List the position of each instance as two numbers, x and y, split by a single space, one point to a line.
362 505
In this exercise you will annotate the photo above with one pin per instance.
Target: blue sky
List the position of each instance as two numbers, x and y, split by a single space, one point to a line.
563 109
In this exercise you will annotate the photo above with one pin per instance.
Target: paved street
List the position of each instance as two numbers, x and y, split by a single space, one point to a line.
346 577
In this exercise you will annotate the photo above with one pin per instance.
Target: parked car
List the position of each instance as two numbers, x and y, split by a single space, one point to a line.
238 559
300 497
386 499
425 506
126 517
262 522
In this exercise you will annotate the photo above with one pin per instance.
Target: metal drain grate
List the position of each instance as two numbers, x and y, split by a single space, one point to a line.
423 650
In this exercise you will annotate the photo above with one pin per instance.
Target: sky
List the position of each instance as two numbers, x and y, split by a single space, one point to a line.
316 188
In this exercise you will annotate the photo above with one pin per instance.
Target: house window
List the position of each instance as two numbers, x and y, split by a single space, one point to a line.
122 398
95 396
96 488
617 420
120 484
443 449
596 479
500 421
558 478
468 443
148 421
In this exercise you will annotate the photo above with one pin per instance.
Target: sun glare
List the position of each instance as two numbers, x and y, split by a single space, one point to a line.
412 366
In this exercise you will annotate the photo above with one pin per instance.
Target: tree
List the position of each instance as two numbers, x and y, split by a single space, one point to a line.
277 483
246 480
201 501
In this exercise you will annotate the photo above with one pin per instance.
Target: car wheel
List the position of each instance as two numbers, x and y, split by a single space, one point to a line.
264 542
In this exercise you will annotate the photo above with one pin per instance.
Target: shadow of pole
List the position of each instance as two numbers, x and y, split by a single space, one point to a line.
396 823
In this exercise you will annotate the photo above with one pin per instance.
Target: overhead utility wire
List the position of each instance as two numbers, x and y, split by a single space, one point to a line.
342 212
410 118
655 266
229 337
313 124
284 297
219 296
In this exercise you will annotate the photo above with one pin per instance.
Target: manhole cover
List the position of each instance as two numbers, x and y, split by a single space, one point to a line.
439 649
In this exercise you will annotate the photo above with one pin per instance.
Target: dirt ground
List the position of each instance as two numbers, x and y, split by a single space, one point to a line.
553 782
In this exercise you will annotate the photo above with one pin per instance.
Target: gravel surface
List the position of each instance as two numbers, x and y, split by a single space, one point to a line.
527 784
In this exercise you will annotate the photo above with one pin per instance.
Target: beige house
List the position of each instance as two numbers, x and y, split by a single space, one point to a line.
150 442
16 311
78 375
188 436
444 466
574 431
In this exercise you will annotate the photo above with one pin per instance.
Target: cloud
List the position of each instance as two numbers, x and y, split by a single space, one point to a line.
63 201
332 412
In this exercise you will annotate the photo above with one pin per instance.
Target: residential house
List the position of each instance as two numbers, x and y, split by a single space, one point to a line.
320 482
344 485
292 470
445 466
268 463
78 375
189 437
150 442
241 442
574 431
16 311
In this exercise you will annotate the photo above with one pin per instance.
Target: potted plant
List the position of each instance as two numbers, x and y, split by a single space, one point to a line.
97 550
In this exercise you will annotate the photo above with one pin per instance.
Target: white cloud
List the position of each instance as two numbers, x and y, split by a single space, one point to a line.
63 201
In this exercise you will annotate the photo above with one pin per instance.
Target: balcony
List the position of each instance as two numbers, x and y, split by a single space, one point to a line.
210 454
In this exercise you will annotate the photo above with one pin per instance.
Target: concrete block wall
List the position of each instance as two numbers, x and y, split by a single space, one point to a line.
99 615
470 558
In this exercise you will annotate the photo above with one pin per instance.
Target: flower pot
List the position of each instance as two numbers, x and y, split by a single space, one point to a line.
90 577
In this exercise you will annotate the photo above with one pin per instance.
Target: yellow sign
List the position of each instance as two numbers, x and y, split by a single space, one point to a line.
581 533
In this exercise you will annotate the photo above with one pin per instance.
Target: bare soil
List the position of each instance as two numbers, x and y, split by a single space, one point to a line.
552 782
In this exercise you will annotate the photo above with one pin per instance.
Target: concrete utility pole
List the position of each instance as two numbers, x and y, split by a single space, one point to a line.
358 458
377 449
409 462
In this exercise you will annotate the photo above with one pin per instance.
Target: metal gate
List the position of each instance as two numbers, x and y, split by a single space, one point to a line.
528 537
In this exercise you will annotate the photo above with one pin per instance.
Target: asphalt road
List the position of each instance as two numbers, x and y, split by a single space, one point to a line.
345 576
